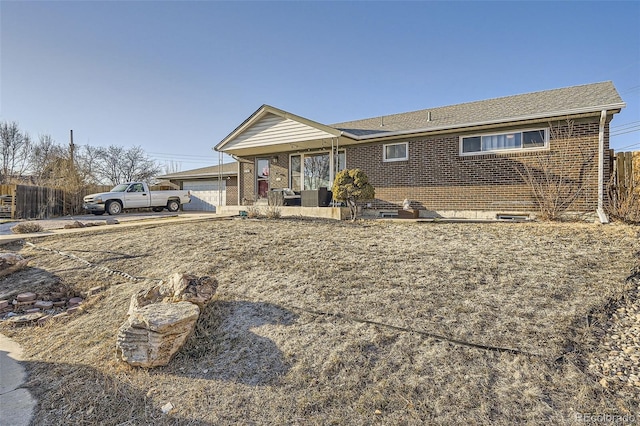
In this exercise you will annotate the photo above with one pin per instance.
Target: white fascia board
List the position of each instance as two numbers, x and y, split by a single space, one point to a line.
197 175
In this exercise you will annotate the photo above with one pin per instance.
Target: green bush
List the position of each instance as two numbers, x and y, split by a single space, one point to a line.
351 186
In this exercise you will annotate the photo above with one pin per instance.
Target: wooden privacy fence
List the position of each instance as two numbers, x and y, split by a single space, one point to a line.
625 171
39 202
30 202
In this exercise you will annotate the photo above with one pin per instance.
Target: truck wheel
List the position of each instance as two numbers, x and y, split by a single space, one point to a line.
114 207
157 209
98 213
173 206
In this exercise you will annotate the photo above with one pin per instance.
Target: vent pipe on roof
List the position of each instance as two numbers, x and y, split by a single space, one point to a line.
428 115
381 121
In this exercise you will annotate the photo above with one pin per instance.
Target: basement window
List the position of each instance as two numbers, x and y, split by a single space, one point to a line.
395 152
499 142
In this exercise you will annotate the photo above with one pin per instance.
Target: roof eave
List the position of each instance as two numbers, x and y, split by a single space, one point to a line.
198 176
564 113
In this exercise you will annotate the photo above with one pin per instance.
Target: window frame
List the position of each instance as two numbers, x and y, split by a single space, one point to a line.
332 160
391 160
545 145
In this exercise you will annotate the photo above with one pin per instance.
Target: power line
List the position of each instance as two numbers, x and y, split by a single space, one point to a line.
164 154
630 89
630 130
628 146
625 124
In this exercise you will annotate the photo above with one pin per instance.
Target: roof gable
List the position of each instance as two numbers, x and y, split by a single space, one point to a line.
271 126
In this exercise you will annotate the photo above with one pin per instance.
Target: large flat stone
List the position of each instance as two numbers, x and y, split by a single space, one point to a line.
153 334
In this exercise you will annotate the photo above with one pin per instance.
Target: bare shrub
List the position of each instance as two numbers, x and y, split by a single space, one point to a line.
253 212
553 187
27 228
623 203
273 212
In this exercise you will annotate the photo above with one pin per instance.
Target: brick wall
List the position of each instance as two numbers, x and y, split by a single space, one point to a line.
436 177
247 180
232 191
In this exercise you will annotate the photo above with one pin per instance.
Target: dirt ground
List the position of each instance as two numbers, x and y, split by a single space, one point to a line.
325 322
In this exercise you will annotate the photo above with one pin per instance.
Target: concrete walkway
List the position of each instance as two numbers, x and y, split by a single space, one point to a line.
16 403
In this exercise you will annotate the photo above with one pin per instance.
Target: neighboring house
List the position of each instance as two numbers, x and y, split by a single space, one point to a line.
210 186
459 160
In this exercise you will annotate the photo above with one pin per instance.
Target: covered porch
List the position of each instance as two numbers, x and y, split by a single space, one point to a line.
285 160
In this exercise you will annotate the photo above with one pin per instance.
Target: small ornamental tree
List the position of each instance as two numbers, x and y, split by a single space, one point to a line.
352 186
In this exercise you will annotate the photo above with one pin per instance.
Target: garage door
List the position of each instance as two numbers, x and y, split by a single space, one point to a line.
205 195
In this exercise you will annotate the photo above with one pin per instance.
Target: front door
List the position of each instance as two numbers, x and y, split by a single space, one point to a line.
262 177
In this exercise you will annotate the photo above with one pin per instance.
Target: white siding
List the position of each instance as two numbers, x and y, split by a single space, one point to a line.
205 195
273 130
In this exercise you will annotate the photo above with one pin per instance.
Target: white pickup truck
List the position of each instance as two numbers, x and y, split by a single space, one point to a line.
134 195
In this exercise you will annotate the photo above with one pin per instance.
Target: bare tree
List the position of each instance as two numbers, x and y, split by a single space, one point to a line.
44 161
171 167
116 165
14 154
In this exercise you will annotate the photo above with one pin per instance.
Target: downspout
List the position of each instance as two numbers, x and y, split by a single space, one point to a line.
219 179
601 213
238 183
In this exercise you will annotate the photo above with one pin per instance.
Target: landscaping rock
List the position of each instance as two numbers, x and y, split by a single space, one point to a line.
75 224
180 287
26 297
161 319
25 319
43 304
154 333
10 263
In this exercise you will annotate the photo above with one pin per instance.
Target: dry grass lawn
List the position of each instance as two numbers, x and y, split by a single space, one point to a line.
323 322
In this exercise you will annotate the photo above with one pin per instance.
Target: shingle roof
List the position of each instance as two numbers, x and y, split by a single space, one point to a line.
211 171
548 103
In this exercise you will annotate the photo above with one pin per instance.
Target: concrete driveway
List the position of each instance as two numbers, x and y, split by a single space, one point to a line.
60 222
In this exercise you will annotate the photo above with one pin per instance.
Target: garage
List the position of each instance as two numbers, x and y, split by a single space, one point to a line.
205 194
208 186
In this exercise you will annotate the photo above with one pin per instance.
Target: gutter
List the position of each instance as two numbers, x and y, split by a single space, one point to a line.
602 215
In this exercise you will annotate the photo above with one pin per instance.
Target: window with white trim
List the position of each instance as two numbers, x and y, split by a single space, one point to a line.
395 152
313 170
496 142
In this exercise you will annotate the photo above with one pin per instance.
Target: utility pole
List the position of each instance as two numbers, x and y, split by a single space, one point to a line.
71 150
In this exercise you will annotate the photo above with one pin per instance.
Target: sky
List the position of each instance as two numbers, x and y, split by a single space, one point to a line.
176 77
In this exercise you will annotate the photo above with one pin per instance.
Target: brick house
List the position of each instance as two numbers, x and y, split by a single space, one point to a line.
453 161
